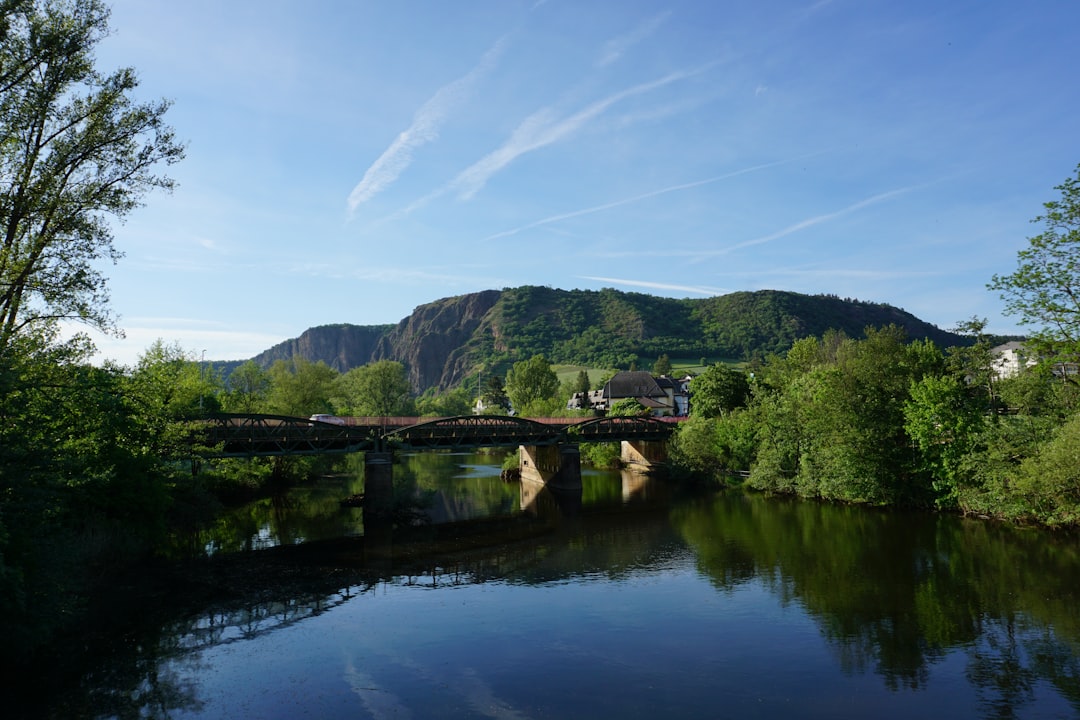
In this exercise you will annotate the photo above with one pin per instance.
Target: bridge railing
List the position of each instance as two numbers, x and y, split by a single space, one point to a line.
252 434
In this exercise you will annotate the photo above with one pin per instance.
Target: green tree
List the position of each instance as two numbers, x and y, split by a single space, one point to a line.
84 488
458 401
1044 290
662 366
249 386
379 389
582 383
831 421
171 384
718 390
945 421
75 149
975 362
299 387
529 381
494 396
628 407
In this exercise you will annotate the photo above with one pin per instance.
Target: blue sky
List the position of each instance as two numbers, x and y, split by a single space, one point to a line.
348 161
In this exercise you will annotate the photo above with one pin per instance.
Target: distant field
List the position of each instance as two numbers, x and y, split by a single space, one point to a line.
569 373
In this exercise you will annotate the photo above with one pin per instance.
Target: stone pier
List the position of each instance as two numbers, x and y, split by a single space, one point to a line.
641 455
557 466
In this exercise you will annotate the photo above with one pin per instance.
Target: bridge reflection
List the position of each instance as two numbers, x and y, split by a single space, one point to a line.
547 447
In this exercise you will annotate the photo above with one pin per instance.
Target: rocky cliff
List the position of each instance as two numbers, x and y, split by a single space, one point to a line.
443 342
339 346
433 341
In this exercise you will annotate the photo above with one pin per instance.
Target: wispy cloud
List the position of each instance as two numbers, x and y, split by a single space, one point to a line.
424 129
818 219
696 290
700 254
639 198
614 49
543 128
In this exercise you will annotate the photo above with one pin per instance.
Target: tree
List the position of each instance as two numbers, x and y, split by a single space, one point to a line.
75 148
1044 290
379 389
944 421
582 383
662 366
299 387
718 390
249 385
494 397
975 362
531 380
628 407
169 384
454 402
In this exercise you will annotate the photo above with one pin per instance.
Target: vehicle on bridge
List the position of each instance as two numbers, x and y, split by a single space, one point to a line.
324 418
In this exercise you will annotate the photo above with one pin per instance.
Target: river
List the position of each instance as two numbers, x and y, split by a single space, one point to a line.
485 599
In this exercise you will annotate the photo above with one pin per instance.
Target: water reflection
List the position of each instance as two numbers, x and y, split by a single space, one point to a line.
983 614
895 593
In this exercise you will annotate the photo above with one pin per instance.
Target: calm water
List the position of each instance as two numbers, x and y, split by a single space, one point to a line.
630 601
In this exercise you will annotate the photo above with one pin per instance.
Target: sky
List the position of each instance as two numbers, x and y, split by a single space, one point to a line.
348 161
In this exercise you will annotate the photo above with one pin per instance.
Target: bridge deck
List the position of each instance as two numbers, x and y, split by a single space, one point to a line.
250 435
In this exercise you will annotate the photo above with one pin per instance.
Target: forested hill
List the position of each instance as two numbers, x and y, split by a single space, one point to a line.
445 341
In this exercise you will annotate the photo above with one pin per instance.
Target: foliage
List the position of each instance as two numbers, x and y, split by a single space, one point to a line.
248 388
494 396
447 404
75 149
581 383
1049 480
628 407
945 420
300 388
83 488
529 382
602 455
662 366
832 422
718 391
380 389
1044 290
172 384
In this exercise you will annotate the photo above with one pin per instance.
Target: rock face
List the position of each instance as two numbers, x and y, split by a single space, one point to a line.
432 342
446 341
340 346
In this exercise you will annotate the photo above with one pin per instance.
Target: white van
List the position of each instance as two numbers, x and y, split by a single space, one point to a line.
331 419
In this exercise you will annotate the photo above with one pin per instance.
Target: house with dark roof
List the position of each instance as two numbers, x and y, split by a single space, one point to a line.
661 395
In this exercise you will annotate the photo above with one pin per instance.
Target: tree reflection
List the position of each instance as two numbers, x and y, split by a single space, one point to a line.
894 592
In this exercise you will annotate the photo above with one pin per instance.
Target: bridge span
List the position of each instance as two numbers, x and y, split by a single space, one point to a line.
252 435
547 447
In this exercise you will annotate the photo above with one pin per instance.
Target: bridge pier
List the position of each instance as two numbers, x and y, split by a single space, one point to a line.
557 466
641 455
378 481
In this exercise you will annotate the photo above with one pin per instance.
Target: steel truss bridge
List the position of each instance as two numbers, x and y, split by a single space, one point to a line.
248 435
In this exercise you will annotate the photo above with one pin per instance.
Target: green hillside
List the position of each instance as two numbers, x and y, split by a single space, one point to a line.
446 341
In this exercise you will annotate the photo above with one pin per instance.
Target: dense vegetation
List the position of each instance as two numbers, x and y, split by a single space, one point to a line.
445 342
886 422
883 421
96 472
610 328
